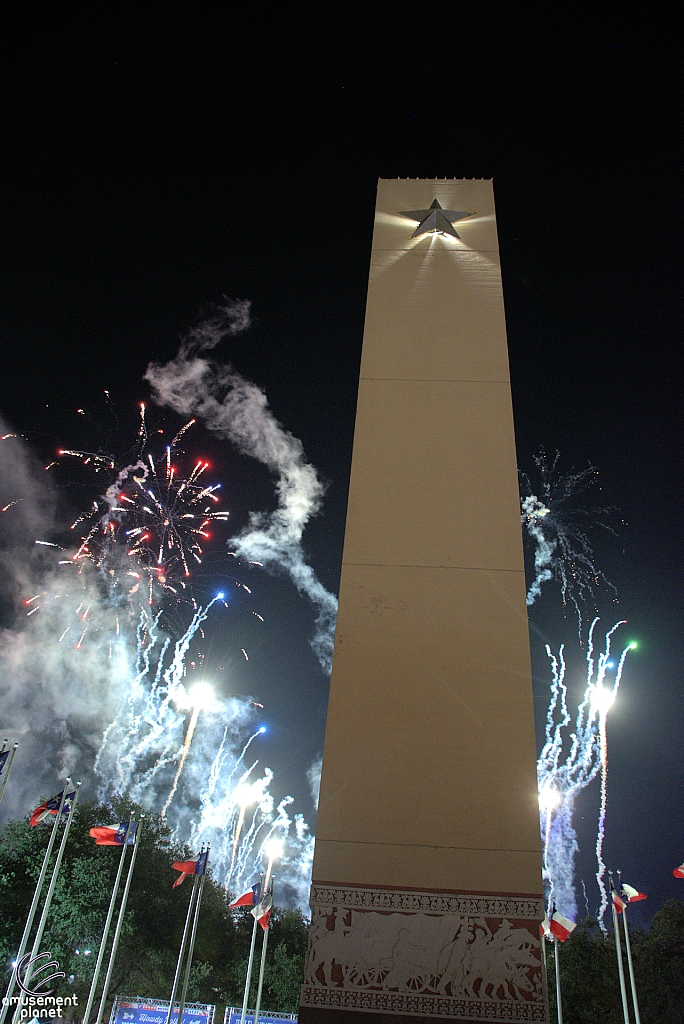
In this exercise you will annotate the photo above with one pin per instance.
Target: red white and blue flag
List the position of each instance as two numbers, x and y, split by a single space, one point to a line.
190 867
679 872
4 754
249 898
560 926
113 835
631 894
262 911
619 902
52 807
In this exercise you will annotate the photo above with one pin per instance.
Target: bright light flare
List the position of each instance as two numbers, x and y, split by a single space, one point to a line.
246 795
201 695
549 798
274 848
602 699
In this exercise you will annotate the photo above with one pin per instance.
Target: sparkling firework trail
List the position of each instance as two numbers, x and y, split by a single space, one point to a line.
143 532
569 762
152 520
141 745
551 524
183 758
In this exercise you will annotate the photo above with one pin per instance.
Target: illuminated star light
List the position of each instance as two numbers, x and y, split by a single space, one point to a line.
436 220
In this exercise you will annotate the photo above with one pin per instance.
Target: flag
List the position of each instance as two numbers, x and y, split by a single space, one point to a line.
632 895
618 902
190 867
68 801
262 911
51 807
3 759
249 898
113 835
561 926
679 872
545 928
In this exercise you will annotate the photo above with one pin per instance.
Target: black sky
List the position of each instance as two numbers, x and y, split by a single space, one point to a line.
153 162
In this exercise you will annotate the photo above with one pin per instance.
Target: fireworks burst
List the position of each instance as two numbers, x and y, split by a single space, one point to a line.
563 772
140 540
551 523
149 525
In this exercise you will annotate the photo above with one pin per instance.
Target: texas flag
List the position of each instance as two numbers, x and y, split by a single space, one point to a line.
679 872
249 898
632 895
545 929
618 901
561 927
113 835
190 867
52 807
4 754
262 911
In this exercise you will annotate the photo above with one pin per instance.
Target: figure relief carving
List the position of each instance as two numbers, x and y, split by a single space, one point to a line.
402 960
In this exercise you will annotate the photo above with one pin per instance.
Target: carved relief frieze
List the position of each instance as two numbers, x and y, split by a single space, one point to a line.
467 957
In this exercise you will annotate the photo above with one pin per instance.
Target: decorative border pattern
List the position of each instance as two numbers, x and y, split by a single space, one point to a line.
427 1006
436 903
460 956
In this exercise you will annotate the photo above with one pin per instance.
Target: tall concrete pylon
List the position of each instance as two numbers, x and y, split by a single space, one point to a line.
427 888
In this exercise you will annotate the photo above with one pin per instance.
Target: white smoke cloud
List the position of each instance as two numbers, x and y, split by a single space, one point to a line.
314 777
234 408
55 698
90 686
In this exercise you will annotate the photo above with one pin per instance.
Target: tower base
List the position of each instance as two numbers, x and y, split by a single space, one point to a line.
379 956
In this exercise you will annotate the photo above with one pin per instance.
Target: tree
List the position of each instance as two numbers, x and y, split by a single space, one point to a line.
590 986
659 966
589 980
154 919
284 970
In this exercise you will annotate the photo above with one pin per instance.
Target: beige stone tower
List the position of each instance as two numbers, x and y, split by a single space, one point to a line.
427 891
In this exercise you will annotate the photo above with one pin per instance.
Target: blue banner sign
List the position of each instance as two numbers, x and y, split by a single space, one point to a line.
155 1011
234 1016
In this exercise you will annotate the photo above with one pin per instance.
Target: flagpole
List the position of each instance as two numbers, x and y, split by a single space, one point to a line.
34 904
618 948
188 919
105 934
3 782
119 923
632 980
545 979
48 898
559 1005
248 979
273 848
261 968
191 944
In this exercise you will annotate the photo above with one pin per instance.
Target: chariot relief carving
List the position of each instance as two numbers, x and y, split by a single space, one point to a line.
364 953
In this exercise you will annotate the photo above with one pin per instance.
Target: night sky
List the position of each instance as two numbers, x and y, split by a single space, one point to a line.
153 163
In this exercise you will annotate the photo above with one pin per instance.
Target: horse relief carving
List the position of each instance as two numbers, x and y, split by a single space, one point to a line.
473 958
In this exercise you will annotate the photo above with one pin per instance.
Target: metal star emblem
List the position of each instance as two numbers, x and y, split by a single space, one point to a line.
436 220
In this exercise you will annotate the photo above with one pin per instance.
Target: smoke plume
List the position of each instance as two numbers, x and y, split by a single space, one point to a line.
236 409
